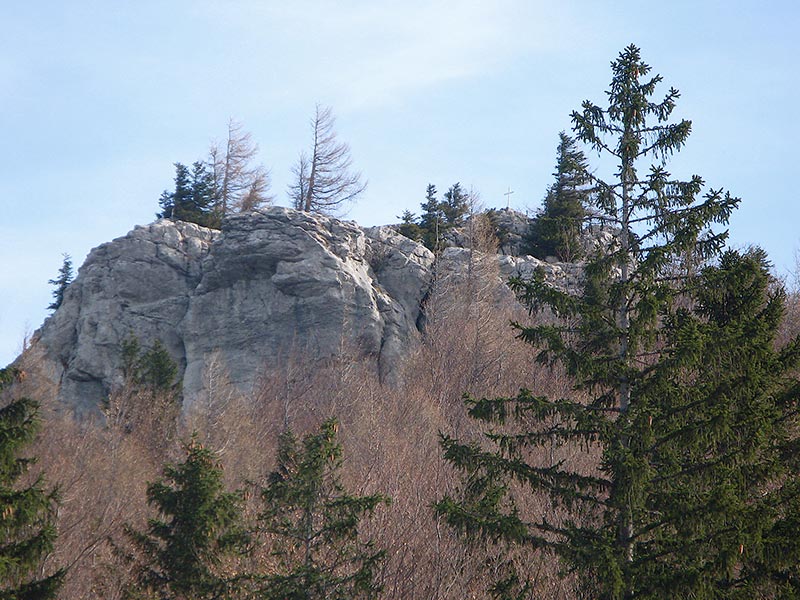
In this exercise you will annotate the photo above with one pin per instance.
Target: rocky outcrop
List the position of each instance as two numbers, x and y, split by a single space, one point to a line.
508 226
270 285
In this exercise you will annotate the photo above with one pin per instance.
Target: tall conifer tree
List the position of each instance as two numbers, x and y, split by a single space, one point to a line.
314 523
455 206
180 553
431 220
718 442
627 526
193 197
27 523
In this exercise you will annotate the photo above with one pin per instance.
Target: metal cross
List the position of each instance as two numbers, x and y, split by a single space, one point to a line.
508 198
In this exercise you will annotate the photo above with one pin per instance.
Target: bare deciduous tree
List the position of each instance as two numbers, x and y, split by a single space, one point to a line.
323 181
238 185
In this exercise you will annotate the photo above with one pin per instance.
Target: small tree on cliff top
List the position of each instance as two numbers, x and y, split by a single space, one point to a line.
556 230
323 181
61 282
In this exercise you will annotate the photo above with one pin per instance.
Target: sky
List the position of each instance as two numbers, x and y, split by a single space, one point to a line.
101 98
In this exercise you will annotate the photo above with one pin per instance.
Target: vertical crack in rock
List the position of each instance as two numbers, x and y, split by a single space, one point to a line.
271 284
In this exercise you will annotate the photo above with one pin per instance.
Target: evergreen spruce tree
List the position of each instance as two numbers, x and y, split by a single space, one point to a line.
556 230
612 340
193 198
169 201
181 553
408 226
431 220
154 368
719 444
27 523
455 206
438 218
314 523
202 208
158 370
61 282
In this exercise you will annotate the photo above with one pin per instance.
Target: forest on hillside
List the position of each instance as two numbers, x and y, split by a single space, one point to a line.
636 438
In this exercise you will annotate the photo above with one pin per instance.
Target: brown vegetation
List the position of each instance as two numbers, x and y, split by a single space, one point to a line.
389 433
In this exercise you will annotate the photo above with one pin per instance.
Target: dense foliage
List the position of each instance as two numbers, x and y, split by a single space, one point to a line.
438 217
181 553
224 183
556 230
314 523
690 409
153 368
27 508
192 199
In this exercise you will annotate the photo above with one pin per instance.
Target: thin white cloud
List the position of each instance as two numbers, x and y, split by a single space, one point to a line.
363 54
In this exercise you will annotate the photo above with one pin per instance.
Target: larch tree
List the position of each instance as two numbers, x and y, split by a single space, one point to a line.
627 533
27 508
313 525
61 282
239 184
556 230
322 179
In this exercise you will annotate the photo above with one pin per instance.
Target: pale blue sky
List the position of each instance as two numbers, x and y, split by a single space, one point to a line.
100 98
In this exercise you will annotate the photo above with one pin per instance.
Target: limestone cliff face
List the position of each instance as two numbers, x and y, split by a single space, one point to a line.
269 285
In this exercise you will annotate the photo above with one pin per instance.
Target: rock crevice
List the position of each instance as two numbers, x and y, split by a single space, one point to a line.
269 285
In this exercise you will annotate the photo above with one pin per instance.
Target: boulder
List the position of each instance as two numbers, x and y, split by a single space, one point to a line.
268 285
272 286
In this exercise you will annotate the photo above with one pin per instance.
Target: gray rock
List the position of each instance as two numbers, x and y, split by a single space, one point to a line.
510 228
268 285
137 284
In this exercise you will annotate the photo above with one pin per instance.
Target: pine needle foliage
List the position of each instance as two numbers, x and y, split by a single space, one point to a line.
193 199
557 229
313 522
408 226
181 553
438 218
692 411
718 434
27 515
153 368
65 276
432 221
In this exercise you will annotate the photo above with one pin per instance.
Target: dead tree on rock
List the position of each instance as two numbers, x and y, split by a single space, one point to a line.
323 181
238 184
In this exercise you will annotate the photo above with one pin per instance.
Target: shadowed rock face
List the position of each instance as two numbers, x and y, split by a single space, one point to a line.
269 286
